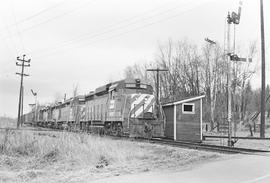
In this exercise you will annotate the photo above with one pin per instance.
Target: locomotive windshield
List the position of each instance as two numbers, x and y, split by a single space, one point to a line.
134 85
138 88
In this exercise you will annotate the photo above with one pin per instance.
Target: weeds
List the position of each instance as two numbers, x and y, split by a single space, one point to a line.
36 156
82 148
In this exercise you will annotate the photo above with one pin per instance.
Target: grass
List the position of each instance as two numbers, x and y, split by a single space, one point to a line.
85 149
27 156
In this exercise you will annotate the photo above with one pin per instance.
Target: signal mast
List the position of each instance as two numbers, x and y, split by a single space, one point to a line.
233 18
35 95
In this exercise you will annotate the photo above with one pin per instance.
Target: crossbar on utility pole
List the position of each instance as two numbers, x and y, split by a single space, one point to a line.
262 127
20 107
157 87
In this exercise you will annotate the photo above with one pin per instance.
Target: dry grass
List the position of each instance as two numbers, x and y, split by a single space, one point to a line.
68 157
80 148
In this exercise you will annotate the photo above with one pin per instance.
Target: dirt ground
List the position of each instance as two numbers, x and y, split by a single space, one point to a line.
237 169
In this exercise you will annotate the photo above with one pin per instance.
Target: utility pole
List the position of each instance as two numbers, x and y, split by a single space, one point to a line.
262 127
21 122
21 63
157 70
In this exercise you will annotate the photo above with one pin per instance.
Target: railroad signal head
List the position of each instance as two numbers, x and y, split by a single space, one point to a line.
235 18
234 57
34 93
209 41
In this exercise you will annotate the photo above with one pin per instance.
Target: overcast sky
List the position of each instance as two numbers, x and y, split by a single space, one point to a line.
90 42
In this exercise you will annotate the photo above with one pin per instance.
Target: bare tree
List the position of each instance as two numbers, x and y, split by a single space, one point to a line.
183 64
214 79
241 85
191 72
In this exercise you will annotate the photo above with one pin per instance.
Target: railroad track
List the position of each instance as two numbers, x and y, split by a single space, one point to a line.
32 129
237 137
200 146
185 144
208 147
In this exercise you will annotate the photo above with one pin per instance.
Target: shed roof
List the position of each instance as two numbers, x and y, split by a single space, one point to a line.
184 100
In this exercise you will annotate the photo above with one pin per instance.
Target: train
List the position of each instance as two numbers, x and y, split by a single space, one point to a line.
126 107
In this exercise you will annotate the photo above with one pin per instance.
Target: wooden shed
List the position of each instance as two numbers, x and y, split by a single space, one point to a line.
183 119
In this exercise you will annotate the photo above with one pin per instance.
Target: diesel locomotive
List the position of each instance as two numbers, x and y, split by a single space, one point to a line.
126 107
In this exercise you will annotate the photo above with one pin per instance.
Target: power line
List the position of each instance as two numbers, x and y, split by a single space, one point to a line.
37 14
17 28
54 17
137 28
8 48
42 11
113 27
13 45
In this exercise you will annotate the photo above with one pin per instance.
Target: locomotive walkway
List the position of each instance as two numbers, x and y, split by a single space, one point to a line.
238 169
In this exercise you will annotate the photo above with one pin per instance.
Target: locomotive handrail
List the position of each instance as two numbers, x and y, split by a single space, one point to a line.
130 117
124 109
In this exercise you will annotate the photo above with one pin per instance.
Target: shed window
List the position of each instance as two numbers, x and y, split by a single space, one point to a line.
188 108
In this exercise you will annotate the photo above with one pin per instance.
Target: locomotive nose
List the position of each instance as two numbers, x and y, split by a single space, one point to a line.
141 104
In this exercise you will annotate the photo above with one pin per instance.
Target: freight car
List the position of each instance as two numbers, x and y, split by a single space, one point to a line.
125 107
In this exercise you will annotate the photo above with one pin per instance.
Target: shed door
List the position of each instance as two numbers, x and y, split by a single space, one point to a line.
169 132
188 126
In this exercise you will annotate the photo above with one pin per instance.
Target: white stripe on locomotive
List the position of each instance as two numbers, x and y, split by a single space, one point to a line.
144 105
137 101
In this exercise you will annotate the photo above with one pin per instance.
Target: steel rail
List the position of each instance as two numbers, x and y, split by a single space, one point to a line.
208 147
237 137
